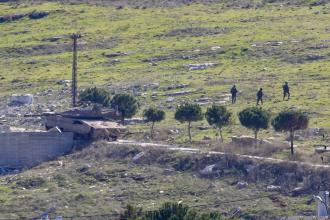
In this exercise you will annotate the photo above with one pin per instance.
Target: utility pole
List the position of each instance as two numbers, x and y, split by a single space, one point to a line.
74 37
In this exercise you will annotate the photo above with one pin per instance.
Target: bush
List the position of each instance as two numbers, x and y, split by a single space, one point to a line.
95 95
126 104
168 211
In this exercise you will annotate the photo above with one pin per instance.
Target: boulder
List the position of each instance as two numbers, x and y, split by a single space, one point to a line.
137 158
241 185
272 188
17 100
134 121
210 171
185 92
200 66
38 14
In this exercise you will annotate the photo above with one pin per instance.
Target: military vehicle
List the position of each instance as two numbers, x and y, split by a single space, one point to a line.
90 123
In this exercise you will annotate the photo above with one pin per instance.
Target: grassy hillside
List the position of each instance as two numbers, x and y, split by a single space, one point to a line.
254 44
103 180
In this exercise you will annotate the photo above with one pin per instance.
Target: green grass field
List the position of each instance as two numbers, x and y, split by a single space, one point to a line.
253 47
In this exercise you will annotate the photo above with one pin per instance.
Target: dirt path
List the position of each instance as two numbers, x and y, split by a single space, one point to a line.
195 150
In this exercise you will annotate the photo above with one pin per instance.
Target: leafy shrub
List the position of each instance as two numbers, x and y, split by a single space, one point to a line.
95 95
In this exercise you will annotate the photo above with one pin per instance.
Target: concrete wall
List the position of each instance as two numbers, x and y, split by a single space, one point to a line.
27 149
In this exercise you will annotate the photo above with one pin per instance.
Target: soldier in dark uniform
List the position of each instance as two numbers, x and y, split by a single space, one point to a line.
286 91
233 92
260 94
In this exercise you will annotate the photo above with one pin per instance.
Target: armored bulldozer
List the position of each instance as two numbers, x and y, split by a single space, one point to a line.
90 123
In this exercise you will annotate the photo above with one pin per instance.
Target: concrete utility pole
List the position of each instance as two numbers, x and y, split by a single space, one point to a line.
74 37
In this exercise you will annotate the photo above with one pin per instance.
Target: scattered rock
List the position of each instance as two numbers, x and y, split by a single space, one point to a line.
168 172
112 55
63 82
12 17
178 86
272 188
211 170
242 185
185 92
216 48
137 158
298 191
138 177
38 14
314 57
201 66
17 100
134 121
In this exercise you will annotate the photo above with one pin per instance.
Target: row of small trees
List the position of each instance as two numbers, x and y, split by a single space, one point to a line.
253 118
219 117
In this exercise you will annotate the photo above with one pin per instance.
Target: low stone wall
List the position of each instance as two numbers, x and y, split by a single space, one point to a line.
27 149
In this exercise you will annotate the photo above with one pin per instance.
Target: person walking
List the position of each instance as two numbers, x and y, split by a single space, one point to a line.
260 95
286 91
233 92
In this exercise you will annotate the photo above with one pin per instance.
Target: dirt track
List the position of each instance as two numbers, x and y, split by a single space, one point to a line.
195 150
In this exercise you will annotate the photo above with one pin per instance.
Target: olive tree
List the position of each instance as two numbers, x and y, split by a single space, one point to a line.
255 119
153 115
126 104
188 112
219 117
95 95
290 121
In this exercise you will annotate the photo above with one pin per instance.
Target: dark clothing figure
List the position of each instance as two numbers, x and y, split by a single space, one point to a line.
233 92
286 91
260 94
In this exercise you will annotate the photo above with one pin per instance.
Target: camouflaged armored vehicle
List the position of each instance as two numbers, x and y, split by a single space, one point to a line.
92 123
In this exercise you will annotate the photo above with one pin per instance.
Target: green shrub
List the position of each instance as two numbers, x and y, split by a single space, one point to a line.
95 95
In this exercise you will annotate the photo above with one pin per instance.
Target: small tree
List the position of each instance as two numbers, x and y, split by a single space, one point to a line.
153 115
290 121
126 104
96 95
188 112
255 119
219 117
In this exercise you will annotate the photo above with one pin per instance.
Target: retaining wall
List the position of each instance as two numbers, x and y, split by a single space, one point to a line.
27 149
